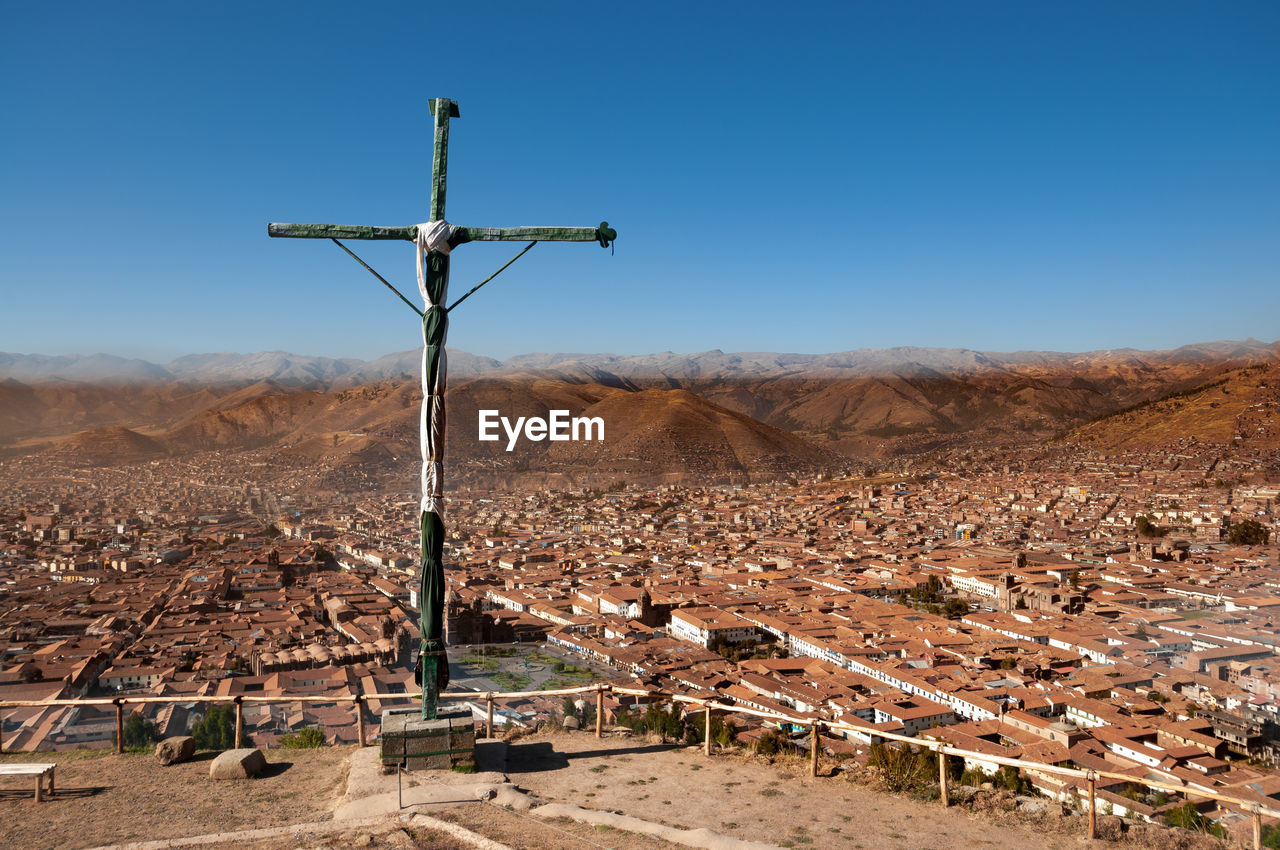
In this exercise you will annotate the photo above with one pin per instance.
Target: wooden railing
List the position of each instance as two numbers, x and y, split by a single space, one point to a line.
708 706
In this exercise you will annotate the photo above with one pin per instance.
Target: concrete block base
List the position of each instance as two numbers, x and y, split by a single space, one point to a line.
447 742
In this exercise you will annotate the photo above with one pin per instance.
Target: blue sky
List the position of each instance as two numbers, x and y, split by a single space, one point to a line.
996 176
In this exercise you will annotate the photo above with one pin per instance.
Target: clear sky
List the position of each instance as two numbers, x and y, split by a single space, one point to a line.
989 175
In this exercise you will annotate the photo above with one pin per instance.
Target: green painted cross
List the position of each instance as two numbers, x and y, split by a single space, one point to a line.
434 240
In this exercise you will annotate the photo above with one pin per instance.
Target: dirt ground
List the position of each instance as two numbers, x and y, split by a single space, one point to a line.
780 803
104 798
753 800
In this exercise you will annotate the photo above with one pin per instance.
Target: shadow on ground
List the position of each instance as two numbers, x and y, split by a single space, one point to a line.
274 768
538 756
60 794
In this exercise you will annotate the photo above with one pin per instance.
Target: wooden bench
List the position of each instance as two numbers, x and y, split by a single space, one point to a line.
39 771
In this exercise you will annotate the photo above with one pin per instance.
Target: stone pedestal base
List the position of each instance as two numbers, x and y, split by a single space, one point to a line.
447 742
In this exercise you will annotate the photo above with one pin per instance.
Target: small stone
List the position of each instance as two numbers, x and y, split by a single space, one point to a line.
572 722
237 764
176 750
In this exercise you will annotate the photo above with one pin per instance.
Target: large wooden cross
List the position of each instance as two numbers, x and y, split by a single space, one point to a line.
435 239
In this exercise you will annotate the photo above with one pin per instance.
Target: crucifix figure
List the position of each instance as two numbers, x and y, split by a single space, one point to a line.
434 240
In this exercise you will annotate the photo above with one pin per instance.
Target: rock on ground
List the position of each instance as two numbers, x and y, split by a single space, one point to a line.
237 764
176 750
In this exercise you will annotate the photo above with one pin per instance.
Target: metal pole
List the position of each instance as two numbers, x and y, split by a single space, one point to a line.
488 722
1093 805
360 717
942 777
813 756
239 724
706 732
119 726
600 713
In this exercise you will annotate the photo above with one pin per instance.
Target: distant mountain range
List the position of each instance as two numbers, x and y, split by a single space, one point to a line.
279 366
707 416
315 372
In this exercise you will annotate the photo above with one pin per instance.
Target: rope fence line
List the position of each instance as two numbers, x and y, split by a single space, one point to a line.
708 705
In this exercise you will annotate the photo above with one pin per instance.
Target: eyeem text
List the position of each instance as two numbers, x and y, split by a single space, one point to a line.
558 426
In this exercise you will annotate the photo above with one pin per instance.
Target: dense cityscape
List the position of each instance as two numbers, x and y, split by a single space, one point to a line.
1054 605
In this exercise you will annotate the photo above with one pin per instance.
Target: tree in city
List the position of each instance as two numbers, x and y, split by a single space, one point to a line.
1147 528
216 730
1187 816
1248 532
306 738
772 742
139 733
723 730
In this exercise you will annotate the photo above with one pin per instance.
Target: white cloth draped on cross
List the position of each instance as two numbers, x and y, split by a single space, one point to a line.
432 236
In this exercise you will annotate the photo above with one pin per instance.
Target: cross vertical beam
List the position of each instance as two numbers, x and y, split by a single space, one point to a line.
443 109
434 282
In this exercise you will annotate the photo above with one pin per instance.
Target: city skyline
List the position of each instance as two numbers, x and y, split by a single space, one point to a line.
992 178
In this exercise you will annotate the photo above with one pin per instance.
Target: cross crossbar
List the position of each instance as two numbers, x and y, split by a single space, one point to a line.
461 235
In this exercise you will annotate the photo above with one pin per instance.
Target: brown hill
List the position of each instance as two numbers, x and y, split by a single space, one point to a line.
1239 409
57 408
906 405
653 435
859 404
674 434
249 425
107 447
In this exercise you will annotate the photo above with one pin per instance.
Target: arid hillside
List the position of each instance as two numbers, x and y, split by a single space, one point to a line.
713 415
1241 408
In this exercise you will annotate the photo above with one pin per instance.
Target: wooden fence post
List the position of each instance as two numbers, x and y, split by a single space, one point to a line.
1 730
239 724
1257 828
600 712
813 756
942 777
360 717
1093 805
488 720
119 725
706 732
